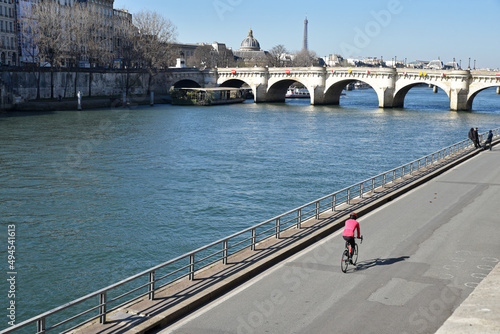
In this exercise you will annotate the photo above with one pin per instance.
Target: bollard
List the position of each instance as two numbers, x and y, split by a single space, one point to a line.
79 96
152 98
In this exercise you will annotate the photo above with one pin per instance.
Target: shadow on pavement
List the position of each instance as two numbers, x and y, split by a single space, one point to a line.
379 262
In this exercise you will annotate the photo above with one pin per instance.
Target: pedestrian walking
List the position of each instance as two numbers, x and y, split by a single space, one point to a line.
488 140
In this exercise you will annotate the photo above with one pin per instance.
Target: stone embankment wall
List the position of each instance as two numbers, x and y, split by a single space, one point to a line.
18 87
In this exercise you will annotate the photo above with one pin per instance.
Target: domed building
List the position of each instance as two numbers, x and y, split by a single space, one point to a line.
250 43
250 52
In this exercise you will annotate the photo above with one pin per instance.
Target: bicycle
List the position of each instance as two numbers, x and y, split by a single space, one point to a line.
346 258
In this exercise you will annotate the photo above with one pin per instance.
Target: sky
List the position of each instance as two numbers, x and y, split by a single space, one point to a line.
411 29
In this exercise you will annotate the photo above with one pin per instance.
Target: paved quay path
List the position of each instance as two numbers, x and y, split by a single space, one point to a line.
422 256
480 312
424 253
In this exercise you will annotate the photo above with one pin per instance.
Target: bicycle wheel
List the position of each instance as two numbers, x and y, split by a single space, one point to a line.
355 254
345 261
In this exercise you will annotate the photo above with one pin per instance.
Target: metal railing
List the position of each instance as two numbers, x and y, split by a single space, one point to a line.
187 265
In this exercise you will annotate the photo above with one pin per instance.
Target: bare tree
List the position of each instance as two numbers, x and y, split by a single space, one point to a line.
43 29
204 56
305 58
154 37
278 56
94 41
126 50
29 49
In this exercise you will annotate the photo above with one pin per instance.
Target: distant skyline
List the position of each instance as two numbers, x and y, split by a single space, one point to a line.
416 30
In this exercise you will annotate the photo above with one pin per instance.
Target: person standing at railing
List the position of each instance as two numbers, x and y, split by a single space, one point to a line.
350 226
488 140
474 137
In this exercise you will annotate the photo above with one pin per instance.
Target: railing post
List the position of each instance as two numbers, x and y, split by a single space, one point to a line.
348 199
278 228
383 180
102 308
40 326
373 185
317 210
191 267
254 236
224 252
394 176
299 218
151 286
361 187
334 202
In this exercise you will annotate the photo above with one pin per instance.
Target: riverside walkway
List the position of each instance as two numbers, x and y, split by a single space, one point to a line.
429 254
430 239
424 253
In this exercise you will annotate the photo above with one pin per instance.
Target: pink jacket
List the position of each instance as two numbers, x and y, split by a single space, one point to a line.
350 226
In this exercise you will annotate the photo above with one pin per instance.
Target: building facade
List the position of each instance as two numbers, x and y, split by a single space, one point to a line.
8 33
108 27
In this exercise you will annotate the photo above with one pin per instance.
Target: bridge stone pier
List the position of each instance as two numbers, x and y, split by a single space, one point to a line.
325 84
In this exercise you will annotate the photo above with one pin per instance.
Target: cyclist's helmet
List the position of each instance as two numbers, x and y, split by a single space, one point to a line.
353 215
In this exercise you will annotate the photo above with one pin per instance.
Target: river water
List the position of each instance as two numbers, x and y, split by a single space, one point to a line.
99 195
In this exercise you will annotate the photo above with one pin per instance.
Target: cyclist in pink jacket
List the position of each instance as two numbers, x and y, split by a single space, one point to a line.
350 225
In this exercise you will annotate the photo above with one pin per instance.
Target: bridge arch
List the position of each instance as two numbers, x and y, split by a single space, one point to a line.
276 91
239 83
186 83
400 94
334 91
473 93
234 83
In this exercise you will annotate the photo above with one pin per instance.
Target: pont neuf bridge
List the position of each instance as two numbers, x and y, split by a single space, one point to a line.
325 84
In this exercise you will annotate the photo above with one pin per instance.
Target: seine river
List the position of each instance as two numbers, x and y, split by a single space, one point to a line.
99 195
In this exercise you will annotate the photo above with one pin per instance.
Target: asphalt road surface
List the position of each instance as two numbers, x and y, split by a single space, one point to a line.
422 255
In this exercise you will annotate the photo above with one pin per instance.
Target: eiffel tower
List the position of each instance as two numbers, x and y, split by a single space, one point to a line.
304 44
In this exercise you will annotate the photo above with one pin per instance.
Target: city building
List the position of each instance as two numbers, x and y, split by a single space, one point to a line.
109 23
102 10
250 52
8 40
122 20
333 60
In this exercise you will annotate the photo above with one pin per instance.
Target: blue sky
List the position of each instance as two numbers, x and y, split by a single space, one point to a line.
423 29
